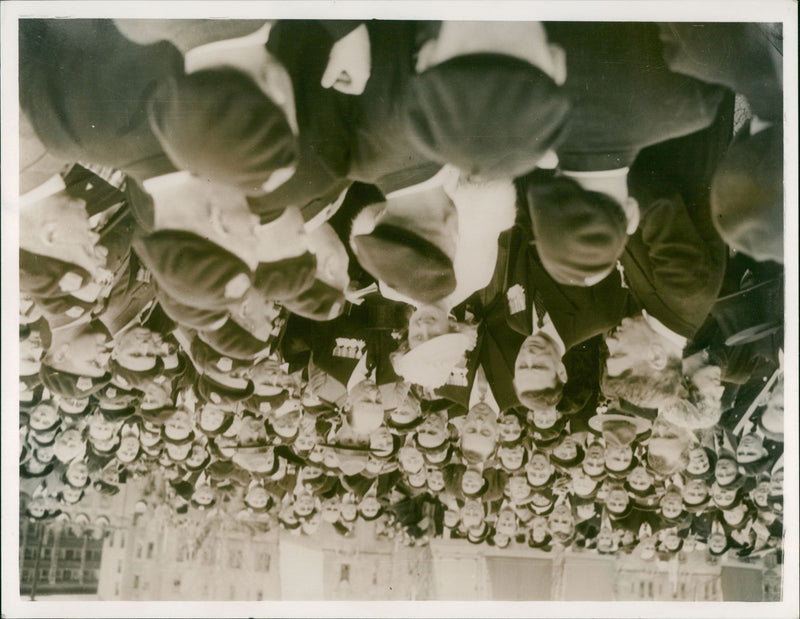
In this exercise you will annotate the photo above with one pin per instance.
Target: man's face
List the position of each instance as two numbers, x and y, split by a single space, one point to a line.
211 418
427 322
472 514
101 430
432 432
628 345
303 504
566 450
197 456
594 462
369 506
518 488
538 365
61 224
618 457
43 417
617 501
179 425
694 492
349 512
723 497
698 461
581 483
381 442
203 494
761 494
640 479
776 483
138 348
30 354
128 449
717 542
708 382
88 354
506 522
410 459
561 520
509 427
69 445
435 479
725 471
306 439
671 505
750 448
471 482
71 495
77 473
157 395
287 425
367 407
257 497
511 457
544 418
330 509
538 469
479 433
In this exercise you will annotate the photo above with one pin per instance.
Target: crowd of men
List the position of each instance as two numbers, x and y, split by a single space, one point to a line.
518 283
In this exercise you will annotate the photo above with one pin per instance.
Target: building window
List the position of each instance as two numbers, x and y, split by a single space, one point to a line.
139 551
136 581
119 567
235 558
122 541
150 548
259 595
176 584
116 589
111 540
344 573
263 561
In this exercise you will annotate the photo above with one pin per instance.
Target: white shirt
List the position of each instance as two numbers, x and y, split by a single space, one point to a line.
482 391
548 328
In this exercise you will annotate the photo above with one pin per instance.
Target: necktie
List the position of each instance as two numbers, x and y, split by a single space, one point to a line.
541 310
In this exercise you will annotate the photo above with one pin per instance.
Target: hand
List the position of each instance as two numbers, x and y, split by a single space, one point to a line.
349 63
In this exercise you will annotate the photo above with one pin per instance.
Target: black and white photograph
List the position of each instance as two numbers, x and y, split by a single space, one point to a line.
329 305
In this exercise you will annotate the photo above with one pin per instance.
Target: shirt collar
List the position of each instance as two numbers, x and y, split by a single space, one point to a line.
657 326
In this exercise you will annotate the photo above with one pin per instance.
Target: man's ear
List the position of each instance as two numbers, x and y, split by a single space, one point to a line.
632 214
562 373
60 354
657 356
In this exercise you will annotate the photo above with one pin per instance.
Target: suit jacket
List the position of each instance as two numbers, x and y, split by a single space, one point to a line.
623 94
675 262
338 345
578 314
85 88
303 46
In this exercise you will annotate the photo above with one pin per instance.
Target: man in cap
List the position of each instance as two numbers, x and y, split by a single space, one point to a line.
91 105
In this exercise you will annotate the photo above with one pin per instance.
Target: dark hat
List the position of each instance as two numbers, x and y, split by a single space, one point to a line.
71 385
193 270
113 397
27 405
320 302
219 125
219 394
579 234
266 403
188 315
116 414
490 115
136 379
285 279
407 262
233 340
45 277
207 359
